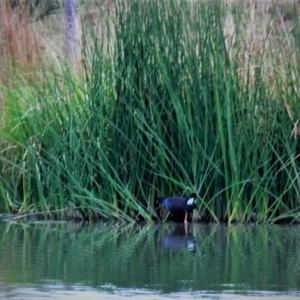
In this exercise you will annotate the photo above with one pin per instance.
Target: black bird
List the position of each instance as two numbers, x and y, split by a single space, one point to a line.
179 204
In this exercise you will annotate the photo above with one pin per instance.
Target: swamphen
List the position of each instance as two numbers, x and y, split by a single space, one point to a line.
177 204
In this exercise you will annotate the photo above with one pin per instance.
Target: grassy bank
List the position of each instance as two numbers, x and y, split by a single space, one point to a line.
171 98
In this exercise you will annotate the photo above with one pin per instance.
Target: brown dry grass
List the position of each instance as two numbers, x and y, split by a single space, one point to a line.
266 31
24 44
20 46
266 42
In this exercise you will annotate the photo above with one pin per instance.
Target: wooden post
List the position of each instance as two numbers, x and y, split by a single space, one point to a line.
70 29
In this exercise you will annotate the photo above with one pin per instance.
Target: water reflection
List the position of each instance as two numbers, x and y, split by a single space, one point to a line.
152 259
179 238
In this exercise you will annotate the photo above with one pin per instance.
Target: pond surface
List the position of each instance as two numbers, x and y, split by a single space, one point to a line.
60 260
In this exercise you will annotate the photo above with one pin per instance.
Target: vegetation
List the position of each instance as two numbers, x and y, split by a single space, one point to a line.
169 98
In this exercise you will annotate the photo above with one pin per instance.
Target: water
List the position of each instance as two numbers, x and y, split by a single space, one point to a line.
60 260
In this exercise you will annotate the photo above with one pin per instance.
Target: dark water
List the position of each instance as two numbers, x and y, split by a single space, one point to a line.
42 260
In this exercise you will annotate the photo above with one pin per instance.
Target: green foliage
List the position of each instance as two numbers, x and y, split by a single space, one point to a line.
163 108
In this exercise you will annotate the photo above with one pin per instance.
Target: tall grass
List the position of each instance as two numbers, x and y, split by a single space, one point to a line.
168 104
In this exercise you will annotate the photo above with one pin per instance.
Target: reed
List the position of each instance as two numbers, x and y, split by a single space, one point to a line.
171 102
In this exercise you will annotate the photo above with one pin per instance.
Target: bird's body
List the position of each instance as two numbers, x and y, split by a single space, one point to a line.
178 204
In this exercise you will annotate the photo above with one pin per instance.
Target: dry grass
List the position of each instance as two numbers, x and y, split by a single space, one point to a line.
24 44
265 42
266 25
20 46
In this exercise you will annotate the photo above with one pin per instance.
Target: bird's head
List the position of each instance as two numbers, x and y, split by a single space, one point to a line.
160 199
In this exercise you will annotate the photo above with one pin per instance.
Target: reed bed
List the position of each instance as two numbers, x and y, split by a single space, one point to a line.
174 97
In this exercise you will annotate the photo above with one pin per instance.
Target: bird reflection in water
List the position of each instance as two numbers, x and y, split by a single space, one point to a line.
179 239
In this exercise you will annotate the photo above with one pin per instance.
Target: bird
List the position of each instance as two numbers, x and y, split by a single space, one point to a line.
179 204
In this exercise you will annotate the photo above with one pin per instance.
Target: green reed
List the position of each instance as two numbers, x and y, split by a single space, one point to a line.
163 106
